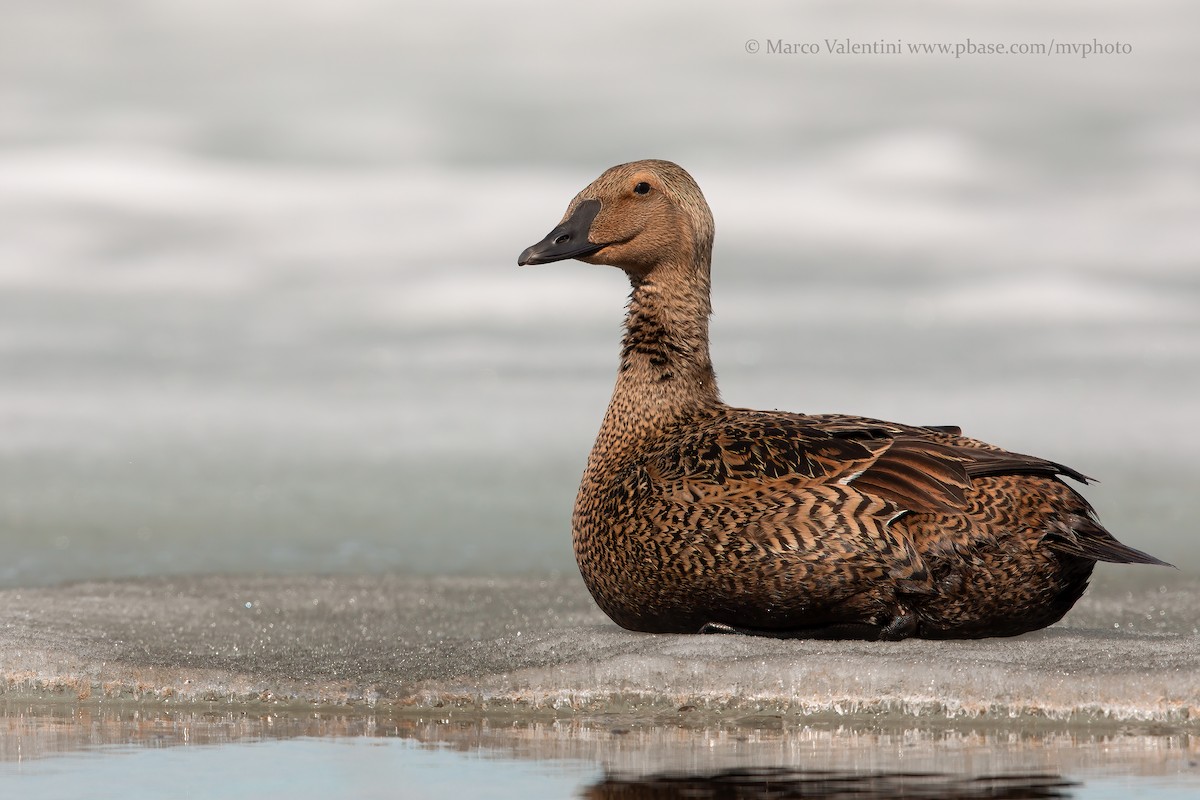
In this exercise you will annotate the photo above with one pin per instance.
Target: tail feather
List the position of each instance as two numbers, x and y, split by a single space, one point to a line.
1084 537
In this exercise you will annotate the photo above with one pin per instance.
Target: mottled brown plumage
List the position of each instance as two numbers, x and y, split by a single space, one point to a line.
694 516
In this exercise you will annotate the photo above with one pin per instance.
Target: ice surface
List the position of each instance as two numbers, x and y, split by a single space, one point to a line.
1129 653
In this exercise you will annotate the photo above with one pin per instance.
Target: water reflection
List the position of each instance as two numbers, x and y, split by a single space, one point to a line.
674 756
781 783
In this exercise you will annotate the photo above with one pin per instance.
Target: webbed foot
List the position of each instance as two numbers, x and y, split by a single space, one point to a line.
900 627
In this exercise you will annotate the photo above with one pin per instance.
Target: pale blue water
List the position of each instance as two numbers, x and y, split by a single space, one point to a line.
301 768
395 768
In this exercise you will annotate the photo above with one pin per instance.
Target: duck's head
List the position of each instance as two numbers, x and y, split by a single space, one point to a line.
637 216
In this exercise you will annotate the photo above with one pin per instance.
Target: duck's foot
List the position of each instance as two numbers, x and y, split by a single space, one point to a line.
900 627
849 630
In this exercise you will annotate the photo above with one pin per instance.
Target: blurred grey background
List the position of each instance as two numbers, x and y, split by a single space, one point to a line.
259 306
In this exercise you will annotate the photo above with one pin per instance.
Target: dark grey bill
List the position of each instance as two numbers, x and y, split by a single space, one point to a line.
568 240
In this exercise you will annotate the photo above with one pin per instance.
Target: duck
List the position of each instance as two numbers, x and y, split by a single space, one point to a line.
693 516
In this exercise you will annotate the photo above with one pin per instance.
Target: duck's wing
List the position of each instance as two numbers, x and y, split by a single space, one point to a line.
799 490
1075 530
908 471
979 458
981 461
812 484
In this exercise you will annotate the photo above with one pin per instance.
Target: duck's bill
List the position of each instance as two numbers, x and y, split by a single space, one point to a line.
568 240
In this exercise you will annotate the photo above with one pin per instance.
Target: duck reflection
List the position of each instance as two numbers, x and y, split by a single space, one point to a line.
781 783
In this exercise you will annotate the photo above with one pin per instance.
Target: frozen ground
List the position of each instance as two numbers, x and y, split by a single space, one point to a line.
1129 653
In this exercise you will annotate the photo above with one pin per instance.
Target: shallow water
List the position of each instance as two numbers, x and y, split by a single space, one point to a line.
300 768
135 753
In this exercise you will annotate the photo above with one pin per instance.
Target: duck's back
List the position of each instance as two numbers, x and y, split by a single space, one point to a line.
787 524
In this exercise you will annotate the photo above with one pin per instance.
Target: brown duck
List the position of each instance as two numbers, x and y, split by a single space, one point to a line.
697 517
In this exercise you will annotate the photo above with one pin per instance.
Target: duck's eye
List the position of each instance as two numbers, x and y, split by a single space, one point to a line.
642 188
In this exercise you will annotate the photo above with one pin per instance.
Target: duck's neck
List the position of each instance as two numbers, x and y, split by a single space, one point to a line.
666 373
